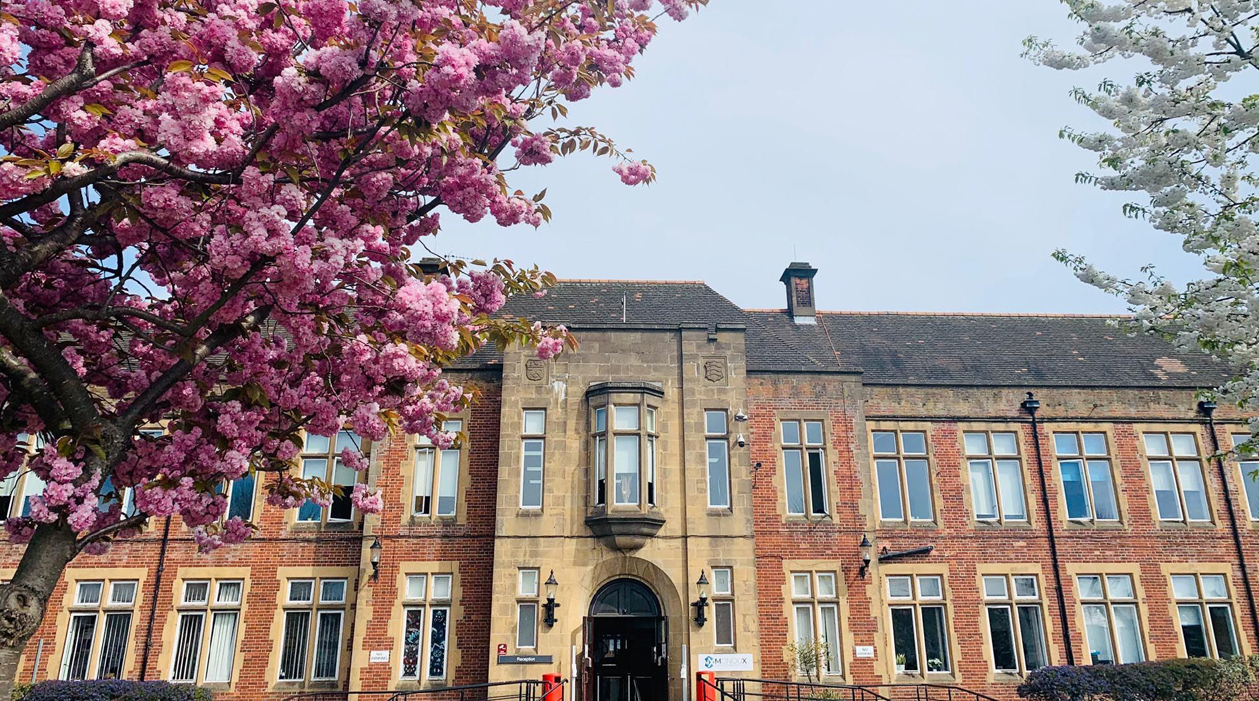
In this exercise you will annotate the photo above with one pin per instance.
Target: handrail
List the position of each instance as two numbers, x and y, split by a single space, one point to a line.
794 691
949 690
525 690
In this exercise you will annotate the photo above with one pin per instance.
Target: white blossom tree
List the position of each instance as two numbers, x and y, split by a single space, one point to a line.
1184 130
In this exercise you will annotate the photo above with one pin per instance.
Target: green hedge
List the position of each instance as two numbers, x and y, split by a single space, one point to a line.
108 690
1170 680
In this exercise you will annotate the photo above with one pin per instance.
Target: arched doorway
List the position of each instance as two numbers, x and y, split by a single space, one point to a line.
626 636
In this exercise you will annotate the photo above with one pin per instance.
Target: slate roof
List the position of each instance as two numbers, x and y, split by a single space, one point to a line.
887 348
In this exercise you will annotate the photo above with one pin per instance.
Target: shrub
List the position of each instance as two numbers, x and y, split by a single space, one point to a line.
111 690
1170 680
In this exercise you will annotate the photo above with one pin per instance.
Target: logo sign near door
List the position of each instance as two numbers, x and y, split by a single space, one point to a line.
724 663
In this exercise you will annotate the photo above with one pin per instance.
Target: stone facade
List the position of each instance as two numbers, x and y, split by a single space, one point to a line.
463 563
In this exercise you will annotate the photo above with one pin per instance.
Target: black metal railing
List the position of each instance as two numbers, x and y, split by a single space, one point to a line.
520 690
735 689
928 692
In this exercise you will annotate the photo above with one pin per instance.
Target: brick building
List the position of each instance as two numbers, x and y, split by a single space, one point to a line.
691 451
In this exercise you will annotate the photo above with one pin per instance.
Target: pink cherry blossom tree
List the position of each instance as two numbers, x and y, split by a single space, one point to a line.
211 213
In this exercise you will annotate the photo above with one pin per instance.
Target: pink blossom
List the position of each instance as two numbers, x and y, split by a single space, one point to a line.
633 173
363 501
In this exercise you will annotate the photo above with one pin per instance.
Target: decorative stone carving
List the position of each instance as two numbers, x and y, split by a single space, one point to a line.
535 370
714 369
625 531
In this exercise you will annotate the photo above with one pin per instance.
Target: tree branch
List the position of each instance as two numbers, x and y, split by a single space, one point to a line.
83 71
61 379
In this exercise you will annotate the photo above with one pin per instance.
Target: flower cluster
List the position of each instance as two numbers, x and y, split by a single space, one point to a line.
210 221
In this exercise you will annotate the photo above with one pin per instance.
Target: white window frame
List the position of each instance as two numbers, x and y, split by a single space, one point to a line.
807 598
439 461
1175 460
717 440
1204 605
1110 602
916 602
332 464
990 459
527 438
315 607
208 610
803 448
426 602
1086 459
1012 602
901 456
100 612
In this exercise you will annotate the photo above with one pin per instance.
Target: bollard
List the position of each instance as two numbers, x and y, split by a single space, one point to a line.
552 687
706 686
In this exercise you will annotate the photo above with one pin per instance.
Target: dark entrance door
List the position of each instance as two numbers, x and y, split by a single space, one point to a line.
628 658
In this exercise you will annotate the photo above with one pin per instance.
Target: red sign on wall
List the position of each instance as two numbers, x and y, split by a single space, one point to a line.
502 649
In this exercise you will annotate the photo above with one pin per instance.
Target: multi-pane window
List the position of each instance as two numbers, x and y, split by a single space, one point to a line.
1249 466
527 609
99 629
723 607
533 455
716 434
1016 624
815 611
996 475
1180 491
205 639
436 472
630 431
426 627
22 484
1112 625
240 497
804 467
920 636
904 478
314 616
1206 616
321 460
1087 485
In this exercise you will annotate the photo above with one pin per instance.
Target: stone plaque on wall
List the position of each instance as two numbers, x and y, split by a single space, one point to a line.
714 370
535 369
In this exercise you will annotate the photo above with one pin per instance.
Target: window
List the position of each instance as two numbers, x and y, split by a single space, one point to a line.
919 631
436 471
1111 624
23 483
207 631
240 498
527 609
904 480
314 615
996 476
1016 624
321 460
815 610
723 607
1249 466
1180 492
533 454
1206 616
426 627
1086 480
99 629
718 440
804 467
632 434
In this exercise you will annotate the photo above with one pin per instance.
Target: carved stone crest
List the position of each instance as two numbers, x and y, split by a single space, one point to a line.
714 369
535 370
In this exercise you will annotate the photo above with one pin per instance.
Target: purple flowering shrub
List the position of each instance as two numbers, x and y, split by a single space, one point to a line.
1169 680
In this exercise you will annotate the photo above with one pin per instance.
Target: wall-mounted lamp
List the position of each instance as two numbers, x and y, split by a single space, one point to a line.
550 604
865 556
1207 407
701 616
374 557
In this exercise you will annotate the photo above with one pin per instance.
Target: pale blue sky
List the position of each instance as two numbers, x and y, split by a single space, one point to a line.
903 148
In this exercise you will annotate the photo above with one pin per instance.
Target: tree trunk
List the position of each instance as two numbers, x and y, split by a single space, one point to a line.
24 600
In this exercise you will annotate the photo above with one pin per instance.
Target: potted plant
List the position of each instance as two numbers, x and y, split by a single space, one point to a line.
935 664
900 663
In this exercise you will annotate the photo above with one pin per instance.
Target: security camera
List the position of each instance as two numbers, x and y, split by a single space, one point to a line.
740 416
740 441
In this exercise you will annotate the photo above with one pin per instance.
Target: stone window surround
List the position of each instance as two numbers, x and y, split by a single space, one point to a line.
1235 601
1026 457
1071 574
1237 471
356 518
606 395
937 501
1054 476
990 569
846 640
829 464
397 619
411 442
72 577
283 575
883 604
169 628
1204 464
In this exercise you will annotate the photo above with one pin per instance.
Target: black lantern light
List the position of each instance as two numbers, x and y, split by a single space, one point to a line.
374 557
550 604
701 616
865 556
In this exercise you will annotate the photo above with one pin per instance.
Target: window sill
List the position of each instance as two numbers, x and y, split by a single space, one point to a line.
908 526
289 687
1077 524
928 678
312 527
1007 678
420 520
1186 525
1004 525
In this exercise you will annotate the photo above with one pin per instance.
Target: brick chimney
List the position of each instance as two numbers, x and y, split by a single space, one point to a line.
801 305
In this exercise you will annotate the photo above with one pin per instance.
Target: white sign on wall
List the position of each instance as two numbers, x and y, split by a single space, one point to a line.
378 656
864 652
723 663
